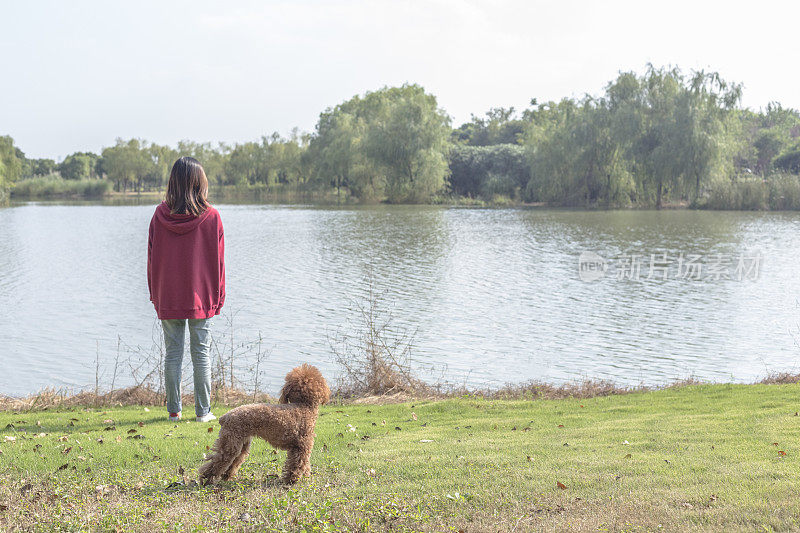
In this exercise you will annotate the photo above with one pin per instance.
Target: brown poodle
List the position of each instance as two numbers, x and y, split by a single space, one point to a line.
287 426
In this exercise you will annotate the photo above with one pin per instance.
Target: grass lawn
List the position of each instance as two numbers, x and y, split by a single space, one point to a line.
708 457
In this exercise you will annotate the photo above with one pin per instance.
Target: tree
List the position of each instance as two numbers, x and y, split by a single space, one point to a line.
78 166
488 170
11 159
127 162
408 137
501 126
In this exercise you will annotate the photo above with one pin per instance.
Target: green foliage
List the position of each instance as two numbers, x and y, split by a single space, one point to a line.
54 185
11 159
778 192
487 171
789 162
38 167
391 142
78 166
138 163
501 126
647 138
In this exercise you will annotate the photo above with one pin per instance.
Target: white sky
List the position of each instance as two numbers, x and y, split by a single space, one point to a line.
76 75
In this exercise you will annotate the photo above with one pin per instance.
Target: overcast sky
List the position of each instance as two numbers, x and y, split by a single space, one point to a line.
76 75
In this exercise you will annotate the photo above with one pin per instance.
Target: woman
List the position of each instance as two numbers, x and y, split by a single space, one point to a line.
186 277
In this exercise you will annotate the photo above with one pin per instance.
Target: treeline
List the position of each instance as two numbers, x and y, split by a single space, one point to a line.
649 139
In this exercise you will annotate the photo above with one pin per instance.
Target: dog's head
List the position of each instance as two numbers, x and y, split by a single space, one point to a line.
305 386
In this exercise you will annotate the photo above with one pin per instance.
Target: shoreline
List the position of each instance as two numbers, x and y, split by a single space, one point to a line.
141 395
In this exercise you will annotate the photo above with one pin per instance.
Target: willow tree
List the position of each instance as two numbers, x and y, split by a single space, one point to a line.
670 127
575 158
126 162
390 143
11 159
408 136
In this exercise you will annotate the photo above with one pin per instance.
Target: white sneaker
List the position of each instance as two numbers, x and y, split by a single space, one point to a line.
207 418
174 417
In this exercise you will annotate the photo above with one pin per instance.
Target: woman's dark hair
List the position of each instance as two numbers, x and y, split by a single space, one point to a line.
187 190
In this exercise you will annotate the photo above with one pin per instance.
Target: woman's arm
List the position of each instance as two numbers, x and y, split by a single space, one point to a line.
150 259
221 265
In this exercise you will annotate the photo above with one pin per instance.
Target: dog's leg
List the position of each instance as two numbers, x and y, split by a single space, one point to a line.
297 464
245 451
227 449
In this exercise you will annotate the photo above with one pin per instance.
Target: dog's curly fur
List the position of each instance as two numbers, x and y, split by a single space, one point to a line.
288 425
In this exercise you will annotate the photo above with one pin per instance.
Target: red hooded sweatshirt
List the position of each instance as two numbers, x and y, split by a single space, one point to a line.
186 264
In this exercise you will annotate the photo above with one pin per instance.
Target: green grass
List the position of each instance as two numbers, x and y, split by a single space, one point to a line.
708 457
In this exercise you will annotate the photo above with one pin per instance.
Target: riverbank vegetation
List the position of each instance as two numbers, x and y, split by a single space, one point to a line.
657 138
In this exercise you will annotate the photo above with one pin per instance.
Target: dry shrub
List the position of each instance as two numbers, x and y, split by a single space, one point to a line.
780 378
374 357
535 390
53 398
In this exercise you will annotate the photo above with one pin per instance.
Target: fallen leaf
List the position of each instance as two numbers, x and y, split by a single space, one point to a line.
413 416
146 410
9 438
530 459
561 425
141 424
62 467
65 451
397 428
627 456
131 431
211 430
118 438
781 453
561 485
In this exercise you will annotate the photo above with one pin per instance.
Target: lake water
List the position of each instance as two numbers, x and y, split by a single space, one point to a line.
490 295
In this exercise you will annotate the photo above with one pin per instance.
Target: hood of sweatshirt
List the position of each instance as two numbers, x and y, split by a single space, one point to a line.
178 223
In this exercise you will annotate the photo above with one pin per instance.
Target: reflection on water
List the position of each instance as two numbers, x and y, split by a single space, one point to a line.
493 294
